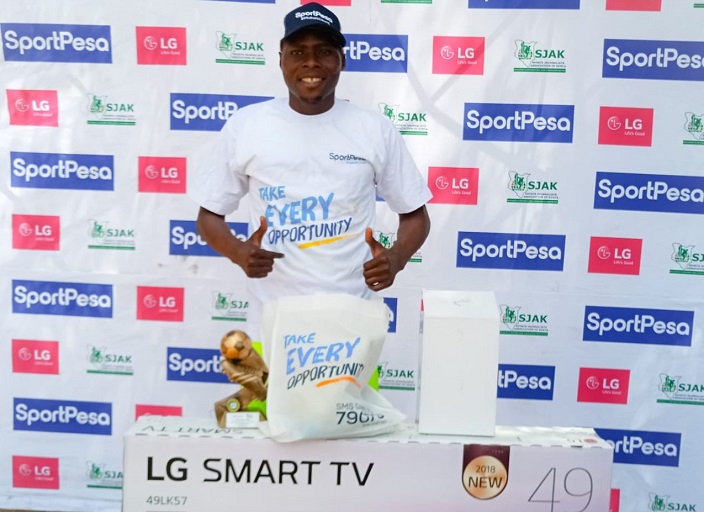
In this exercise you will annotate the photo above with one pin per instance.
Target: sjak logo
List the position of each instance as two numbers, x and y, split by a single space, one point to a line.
540 60
688 261
395 378
531 191
238 52
678 391
101 478
102 361
224 307
659 503
526 324
694 125
407 123
103 111
102 236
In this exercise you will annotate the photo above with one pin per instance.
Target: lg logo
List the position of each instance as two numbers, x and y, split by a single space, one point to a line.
37 106
150 43
26 229
594 383
614 123
462 53
456 184
150 302
604 253
152 172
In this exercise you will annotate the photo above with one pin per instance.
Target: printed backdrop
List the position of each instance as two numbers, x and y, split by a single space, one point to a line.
563 141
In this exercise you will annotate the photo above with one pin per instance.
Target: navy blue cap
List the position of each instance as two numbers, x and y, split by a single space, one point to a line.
314 16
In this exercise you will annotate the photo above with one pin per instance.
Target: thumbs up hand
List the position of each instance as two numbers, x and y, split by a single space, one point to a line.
255 261
381 270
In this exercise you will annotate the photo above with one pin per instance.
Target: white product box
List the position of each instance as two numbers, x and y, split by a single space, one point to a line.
191 465
459 363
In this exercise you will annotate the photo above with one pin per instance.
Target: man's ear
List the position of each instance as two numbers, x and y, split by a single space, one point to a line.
344 60
279 59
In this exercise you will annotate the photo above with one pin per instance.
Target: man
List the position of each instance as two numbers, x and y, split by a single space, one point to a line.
312 165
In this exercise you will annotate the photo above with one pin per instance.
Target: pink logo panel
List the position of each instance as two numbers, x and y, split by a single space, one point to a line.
33 107
603 385
454 185
161 45
31 356
157 410
458 55
37 232
35 472
615 255
162 174
622 126
158 303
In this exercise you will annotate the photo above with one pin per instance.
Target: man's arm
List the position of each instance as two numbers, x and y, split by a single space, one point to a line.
249 255
381 270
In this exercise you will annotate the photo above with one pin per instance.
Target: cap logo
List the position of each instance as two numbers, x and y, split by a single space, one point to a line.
314 15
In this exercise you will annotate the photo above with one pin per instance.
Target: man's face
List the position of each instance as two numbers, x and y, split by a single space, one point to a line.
311 66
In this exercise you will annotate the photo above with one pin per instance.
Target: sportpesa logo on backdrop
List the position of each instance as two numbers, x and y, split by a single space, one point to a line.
194 365
47 42
185 240
638 325
523 4
62 171
649 192
518 122
64 299
64 416
510 251
525 382
643 447
383 53
654 60
206 112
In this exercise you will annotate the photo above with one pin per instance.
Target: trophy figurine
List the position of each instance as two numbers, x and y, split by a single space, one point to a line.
244 366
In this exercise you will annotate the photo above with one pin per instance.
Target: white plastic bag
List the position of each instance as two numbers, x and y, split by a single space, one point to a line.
321 351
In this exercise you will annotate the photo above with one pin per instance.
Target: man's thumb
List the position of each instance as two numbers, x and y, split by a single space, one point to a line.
375 246
258 235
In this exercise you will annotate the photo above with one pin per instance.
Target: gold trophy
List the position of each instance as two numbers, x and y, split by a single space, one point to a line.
244 366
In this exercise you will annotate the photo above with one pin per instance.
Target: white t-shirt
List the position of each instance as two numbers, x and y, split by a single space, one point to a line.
315 179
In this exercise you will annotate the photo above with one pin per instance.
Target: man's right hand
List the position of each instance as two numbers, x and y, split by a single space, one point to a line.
249 255
255 261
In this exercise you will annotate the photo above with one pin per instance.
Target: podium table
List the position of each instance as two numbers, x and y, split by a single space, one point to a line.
185 464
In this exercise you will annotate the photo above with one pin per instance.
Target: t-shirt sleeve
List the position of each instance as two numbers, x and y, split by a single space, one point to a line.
399 182
219 183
